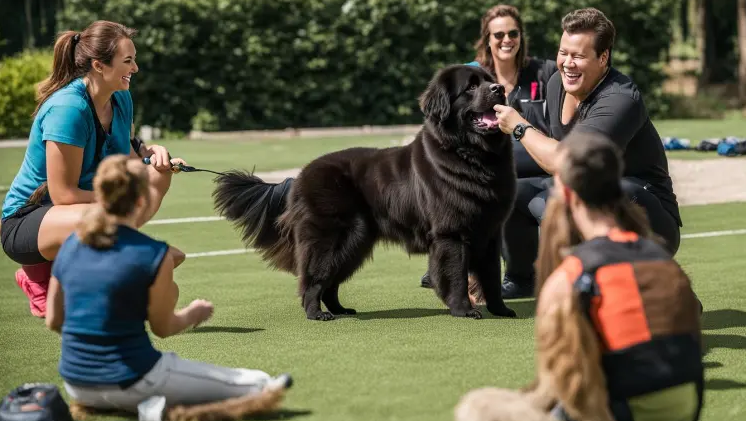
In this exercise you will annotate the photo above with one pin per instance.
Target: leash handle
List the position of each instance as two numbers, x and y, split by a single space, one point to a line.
175 169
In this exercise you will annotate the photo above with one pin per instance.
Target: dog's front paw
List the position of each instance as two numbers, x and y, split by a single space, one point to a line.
501 310
323 316
470 313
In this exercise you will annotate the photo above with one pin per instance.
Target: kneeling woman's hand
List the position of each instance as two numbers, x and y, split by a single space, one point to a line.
199 311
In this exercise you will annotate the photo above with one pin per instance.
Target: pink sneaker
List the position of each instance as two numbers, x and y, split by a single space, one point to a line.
34 282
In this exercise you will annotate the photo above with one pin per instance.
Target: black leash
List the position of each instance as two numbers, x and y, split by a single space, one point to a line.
185 168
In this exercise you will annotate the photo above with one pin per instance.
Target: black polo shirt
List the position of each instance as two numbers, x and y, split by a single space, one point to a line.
616 109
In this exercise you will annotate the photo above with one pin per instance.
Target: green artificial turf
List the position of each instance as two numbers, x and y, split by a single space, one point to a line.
402 357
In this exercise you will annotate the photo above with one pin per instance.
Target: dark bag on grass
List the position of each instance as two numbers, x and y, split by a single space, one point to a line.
35 402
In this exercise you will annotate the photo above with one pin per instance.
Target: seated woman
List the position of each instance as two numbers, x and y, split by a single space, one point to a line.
84 113
618 332
107 280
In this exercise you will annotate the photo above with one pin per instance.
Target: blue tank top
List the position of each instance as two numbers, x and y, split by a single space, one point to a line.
104 341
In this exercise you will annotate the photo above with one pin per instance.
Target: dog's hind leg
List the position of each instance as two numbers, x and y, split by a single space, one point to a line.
485 265
332 259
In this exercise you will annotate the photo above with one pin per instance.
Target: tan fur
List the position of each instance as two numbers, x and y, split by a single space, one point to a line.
229 409
493 404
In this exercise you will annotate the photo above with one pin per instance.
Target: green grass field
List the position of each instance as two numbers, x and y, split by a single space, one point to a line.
402 357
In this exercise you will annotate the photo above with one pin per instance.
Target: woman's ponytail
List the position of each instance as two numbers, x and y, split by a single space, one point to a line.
97 228
64 69
118 184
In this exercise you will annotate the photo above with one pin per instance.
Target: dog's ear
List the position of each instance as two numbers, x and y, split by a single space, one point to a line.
435 102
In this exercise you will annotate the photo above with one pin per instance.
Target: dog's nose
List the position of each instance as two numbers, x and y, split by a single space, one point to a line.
496 88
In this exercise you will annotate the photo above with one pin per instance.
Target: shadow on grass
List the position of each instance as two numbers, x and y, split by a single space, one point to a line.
712 341
722 319
723 384
523 309
712 364
399 313
281 414
223 329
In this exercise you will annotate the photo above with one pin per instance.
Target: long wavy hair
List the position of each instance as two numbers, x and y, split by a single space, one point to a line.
482 45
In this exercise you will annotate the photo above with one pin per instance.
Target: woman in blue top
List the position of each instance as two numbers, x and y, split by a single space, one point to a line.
85 100
107 280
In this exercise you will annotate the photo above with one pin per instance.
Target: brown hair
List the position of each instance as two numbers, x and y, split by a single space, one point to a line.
482 46
74 53
592 166
592 19
118 184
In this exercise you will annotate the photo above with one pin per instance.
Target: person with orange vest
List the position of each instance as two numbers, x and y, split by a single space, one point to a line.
614 295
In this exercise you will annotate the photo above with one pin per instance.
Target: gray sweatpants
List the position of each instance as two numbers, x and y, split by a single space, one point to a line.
180 381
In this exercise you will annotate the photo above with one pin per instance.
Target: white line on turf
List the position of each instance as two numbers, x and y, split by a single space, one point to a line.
714 234
245 251
219 253
219 218
185 220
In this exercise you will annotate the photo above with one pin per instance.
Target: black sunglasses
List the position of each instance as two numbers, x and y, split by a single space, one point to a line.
513 34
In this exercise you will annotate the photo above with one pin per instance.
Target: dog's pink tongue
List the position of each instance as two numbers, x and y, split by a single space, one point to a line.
489 118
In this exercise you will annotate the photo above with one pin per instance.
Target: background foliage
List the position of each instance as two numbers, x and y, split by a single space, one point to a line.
267 64
18 78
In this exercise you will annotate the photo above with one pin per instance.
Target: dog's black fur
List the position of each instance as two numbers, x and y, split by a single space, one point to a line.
448 194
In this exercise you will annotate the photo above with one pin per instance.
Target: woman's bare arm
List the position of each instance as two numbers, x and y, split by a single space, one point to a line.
164 294
55 306
64 163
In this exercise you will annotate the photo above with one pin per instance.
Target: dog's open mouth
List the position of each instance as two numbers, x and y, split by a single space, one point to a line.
485 121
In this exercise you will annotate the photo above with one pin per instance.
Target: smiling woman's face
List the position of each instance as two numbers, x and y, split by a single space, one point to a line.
117 75
505 38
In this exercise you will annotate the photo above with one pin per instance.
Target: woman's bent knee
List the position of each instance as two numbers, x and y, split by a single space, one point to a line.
58 223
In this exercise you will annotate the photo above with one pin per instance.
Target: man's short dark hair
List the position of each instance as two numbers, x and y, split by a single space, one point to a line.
591 19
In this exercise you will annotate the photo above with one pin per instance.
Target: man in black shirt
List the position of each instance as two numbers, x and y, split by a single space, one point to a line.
586 94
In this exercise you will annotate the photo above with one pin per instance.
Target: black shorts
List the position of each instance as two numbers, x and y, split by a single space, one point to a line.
20 234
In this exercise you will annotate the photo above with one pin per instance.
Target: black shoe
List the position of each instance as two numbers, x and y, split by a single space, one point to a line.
512 290
425 281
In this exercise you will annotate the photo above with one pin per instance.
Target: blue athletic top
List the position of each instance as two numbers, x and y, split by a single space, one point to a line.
104 341
65 117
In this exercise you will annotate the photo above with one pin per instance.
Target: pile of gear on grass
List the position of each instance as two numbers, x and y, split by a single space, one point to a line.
726 146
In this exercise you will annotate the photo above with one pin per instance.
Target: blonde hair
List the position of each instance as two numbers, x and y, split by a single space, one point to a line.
118 184
74 53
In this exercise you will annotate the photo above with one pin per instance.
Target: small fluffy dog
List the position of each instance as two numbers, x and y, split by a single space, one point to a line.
447 193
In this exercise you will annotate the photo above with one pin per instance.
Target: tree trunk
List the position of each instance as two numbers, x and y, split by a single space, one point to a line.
742 51
705 41
29 25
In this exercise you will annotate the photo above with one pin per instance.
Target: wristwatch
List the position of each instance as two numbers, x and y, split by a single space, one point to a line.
520 130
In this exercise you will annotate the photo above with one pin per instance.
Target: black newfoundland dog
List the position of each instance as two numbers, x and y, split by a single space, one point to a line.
447 194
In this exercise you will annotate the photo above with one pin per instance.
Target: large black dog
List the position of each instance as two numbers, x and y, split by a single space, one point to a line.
447 194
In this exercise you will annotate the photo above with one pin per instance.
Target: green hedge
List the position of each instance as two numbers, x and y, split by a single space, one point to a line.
263 64
19 75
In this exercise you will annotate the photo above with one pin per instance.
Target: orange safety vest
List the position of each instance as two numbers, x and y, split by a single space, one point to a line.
645 313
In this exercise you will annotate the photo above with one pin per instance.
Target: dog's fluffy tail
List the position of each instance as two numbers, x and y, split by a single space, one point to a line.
254 206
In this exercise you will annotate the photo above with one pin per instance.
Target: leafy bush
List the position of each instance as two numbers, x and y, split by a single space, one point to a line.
266 64
19 75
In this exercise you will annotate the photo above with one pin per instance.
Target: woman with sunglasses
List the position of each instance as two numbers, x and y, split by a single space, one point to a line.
502 50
